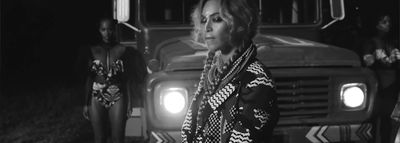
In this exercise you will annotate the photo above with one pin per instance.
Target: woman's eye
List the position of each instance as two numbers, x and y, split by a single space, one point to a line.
203 20
217 19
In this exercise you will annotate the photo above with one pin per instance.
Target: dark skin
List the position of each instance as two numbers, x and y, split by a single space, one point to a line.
102 118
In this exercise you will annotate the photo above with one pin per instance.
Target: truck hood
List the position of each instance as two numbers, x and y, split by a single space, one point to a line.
182 53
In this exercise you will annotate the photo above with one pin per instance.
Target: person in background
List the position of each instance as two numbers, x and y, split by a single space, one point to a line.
114 79
236 99
381 53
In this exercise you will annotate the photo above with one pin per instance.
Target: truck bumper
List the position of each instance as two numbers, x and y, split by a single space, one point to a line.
165 137
295 134
324 134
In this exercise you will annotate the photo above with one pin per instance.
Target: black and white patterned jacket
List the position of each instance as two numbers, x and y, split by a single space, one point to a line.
243 109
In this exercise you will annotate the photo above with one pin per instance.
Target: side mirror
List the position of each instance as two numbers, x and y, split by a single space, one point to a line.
337 11
121 10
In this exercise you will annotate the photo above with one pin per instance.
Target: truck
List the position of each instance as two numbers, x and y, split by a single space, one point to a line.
324 93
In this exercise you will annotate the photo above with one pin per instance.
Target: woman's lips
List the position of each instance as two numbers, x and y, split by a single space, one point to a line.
209 38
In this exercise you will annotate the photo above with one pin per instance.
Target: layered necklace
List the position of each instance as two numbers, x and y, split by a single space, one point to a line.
216 75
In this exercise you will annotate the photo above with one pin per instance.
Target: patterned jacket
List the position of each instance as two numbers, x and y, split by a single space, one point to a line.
242 109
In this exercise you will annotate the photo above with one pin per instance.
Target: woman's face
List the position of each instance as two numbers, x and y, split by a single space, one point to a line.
215 30
106 30
384 24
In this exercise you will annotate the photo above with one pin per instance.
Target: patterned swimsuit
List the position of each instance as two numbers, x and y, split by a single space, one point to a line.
107 84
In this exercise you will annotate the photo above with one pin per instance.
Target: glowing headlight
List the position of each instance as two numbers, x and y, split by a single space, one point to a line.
174 99
353 95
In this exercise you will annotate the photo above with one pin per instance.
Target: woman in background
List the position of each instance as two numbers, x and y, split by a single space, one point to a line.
113 84
382 54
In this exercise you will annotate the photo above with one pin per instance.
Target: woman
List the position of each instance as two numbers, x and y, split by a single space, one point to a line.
382 55
380 50
235 100
114 71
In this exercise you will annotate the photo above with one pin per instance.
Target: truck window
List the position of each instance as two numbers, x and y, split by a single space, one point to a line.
283 12
169 11
274 12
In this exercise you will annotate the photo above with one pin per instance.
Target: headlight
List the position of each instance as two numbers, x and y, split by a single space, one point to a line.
353 95
173 100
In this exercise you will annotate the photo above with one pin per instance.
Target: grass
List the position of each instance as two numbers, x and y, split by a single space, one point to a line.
43 116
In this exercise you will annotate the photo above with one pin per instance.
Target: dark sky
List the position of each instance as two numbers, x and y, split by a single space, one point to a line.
40 39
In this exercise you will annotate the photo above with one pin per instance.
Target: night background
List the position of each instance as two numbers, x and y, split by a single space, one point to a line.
40 38
40 48
40 44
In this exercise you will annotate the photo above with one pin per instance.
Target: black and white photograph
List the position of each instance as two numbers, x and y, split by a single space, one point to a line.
189 71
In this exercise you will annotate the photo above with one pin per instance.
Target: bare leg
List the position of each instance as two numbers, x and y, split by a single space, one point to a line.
98 114
117 115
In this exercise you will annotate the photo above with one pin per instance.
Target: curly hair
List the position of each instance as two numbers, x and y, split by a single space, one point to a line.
241 16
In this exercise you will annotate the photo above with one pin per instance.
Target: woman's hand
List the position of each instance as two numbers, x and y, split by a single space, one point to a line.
369 59
86 112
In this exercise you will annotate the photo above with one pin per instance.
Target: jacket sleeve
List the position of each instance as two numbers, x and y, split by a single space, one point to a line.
258 112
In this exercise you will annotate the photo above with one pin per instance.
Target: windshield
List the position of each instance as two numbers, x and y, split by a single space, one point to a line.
289 12
273 12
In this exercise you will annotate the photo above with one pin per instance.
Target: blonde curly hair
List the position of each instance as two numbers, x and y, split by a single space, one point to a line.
242 17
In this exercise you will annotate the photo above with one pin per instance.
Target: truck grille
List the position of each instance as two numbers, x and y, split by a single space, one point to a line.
302 96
